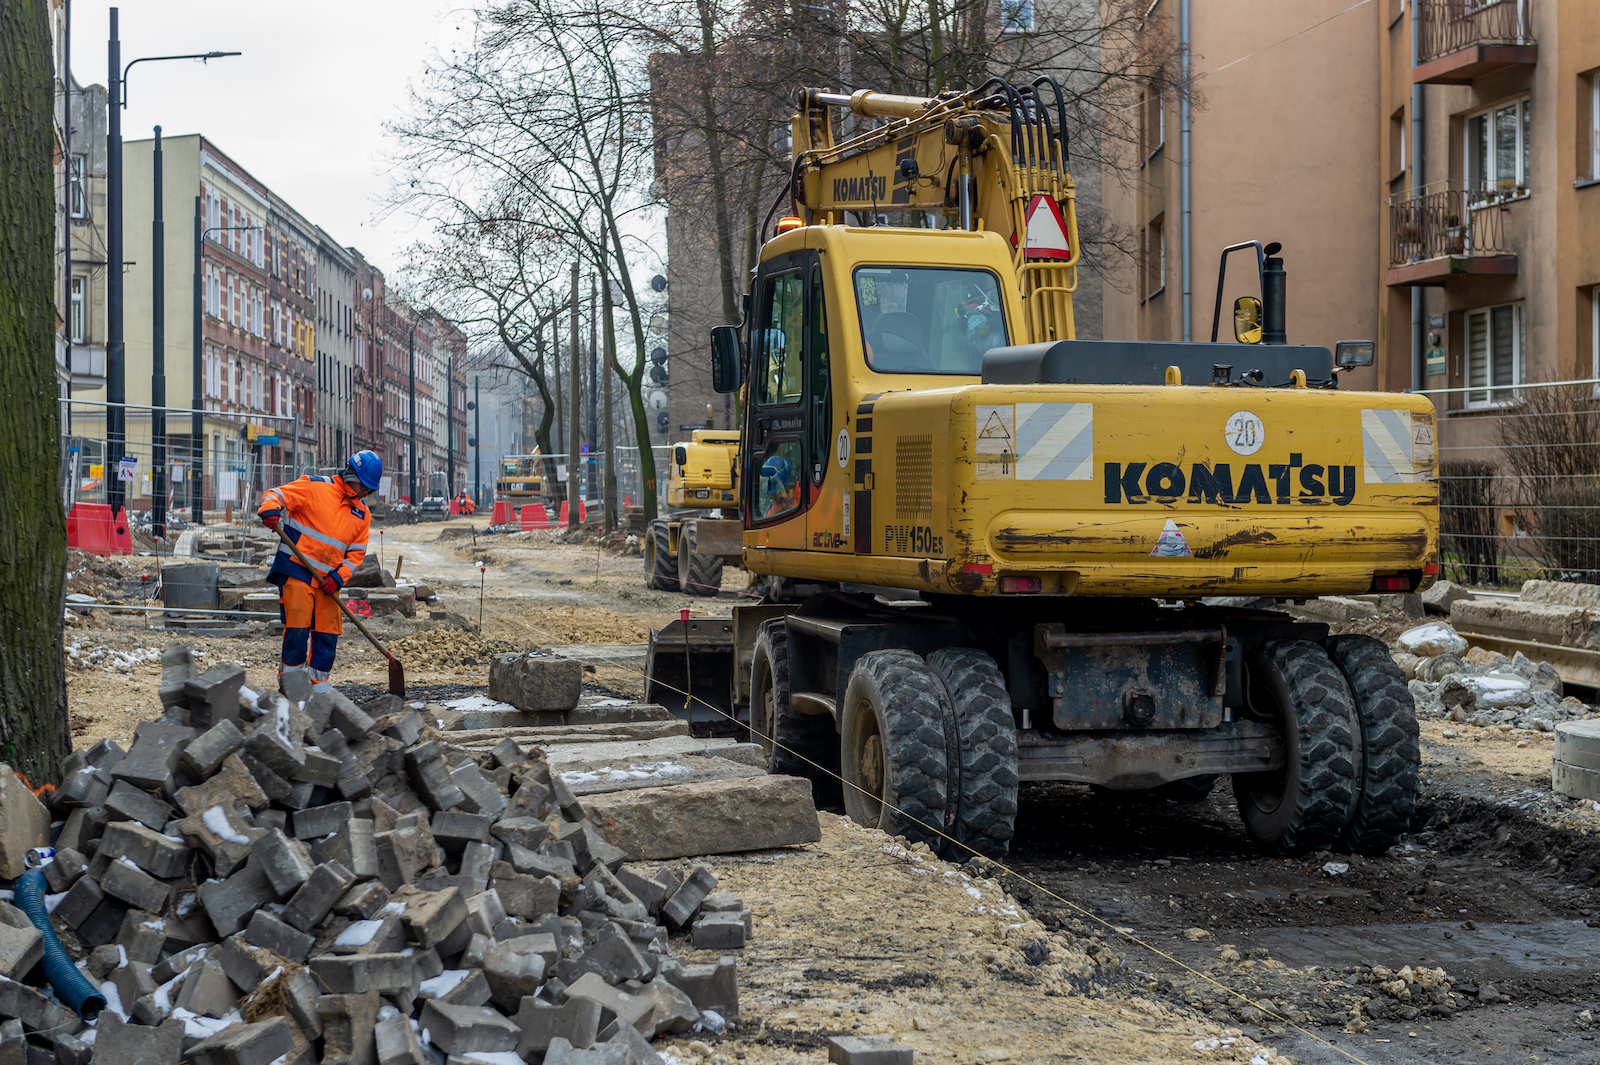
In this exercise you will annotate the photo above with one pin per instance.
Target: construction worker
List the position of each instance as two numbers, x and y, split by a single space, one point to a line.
327 521
464 504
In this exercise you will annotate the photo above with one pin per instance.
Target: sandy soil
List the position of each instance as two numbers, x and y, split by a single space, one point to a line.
857 935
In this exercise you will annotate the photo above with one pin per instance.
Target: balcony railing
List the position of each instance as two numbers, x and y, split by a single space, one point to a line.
1463 39
1451 25
1452 227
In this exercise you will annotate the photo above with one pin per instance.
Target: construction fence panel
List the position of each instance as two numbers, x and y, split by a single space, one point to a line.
1519 483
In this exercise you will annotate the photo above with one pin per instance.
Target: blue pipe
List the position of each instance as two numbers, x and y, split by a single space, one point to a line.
70 984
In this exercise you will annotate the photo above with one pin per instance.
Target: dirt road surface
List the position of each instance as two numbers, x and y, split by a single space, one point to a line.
1496 884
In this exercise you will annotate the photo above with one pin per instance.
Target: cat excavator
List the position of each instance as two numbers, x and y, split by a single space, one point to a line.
996 553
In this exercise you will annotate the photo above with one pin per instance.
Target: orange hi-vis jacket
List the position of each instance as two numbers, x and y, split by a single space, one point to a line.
326 521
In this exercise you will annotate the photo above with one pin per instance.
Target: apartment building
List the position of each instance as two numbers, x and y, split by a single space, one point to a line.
334 350
1279 148
368 359
82 218
1490 120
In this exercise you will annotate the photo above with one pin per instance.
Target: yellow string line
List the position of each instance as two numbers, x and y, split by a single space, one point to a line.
1121 932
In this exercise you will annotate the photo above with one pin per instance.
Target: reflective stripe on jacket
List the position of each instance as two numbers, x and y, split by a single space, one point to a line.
327 523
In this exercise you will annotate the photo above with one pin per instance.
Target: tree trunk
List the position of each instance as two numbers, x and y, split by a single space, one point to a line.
34 733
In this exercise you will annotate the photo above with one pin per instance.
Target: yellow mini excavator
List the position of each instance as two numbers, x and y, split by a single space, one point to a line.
1018 556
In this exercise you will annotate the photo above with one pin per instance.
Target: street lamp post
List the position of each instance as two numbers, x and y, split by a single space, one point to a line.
477 443
158 357
116 367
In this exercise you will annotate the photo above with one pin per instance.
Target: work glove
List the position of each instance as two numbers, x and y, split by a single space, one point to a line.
270 521
330 586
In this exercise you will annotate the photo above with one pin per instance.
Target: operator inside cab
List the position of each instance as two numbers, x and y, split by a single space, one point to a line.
325 518
780 490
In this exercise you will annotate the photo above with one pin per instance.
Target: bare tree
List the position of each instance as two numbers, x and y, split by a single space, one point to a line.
34 734
548 110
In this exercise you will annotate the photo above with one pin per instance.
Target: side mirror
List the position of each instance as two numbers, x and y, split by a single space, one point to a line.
726 358
1247 320
680 455
1348 354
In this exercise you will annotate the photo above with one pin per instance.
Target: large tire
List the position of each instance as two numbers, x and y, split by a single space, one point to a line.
660 568
892 746
1307 804
807 745
697 574
1386 791
983 770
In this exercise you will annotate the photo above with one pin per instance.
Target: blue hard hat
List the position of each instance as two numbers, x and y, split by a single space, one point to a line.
368 469
776 472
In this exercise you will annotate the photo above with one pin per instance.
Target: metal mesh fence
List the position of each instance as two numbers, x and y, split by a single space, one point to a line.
234 466
1519 484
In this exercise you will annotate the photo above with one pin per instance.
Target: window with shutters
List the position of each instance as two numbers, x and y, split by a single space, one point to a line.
1496 339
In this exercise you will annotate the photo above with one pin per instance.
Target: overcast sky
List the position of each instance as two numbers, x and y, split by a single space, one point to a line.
302 109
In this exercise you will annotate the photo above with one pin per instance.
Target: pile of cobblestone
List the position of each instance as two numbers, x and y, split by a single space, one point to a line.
271 878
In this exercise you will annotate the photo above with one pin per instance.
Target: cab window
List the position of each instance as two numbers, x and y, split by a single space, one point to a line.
778 479
780 339
928 319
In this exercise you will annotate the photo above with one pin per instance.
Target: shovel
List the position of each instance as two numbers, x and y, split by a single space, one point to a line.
397 672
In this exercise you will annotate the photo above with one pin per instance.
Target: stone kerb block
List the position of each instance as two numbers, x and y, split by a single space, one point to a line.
535 682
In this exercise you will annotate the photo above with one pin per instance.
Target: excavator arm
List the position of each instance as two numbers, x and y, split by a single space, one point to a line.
984 160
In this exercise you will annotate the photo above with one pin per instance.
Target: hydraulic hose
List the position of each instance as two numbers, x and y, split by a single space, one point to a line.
70 984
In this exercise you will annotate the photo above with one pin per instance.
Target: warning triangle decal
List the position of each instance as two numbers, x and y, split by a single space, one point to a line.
1171 543
1047 230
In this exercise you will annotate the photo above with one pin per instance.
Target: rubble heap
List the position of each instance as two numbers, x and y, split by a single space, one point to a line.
292 878
1479 687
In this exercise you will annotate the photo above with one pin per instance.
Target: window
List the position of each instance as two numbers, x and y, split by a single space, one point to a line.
1155 257
1497 151
1152 123
80 201
231 312
1594 125
929 320
213 292
1016 16
1495 345
821 440
78 323
780 342
1397 146
257 323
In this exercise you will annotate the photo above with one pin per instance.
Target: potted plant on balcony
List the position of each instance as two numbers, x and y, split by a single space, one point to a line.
1407 242
1455 235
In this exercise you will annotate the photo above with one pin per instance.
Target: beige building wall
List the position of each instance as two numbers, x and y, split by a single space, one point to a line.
1284 149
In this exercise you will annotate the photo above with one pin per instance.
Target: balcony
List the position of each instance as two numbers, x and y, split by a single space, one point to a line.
1460 40
1447 234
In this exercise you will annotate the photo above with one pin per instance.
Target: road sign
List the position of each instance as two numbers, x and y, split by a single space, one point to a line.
127 468
1047 230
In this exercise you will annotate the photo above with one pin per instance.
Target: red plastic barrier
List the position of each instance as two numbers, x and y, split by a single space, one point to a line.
534 516
121 538
89 528
583 513
502 513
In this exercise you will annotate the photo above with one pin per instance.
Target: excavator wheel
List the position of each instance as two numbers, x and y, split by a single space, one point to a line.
697 574
660 569
892 737
1306 804
983 768
807 745
1390 756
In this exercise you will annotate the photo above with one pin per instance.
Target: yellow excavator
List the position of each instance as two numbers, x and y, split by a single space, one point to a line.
1020 556
686 552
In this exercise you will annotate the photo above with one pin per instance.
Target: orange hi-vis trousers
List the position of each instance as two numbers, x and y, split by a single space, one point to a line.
311 623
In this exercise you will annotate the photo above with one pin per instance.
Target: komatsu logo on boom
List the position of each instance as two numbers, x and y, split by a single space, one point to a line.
871 189
1277 483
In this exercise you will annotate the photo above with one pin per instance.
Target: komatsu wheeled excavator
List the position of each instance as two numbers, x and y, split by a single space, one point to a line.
1019 556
